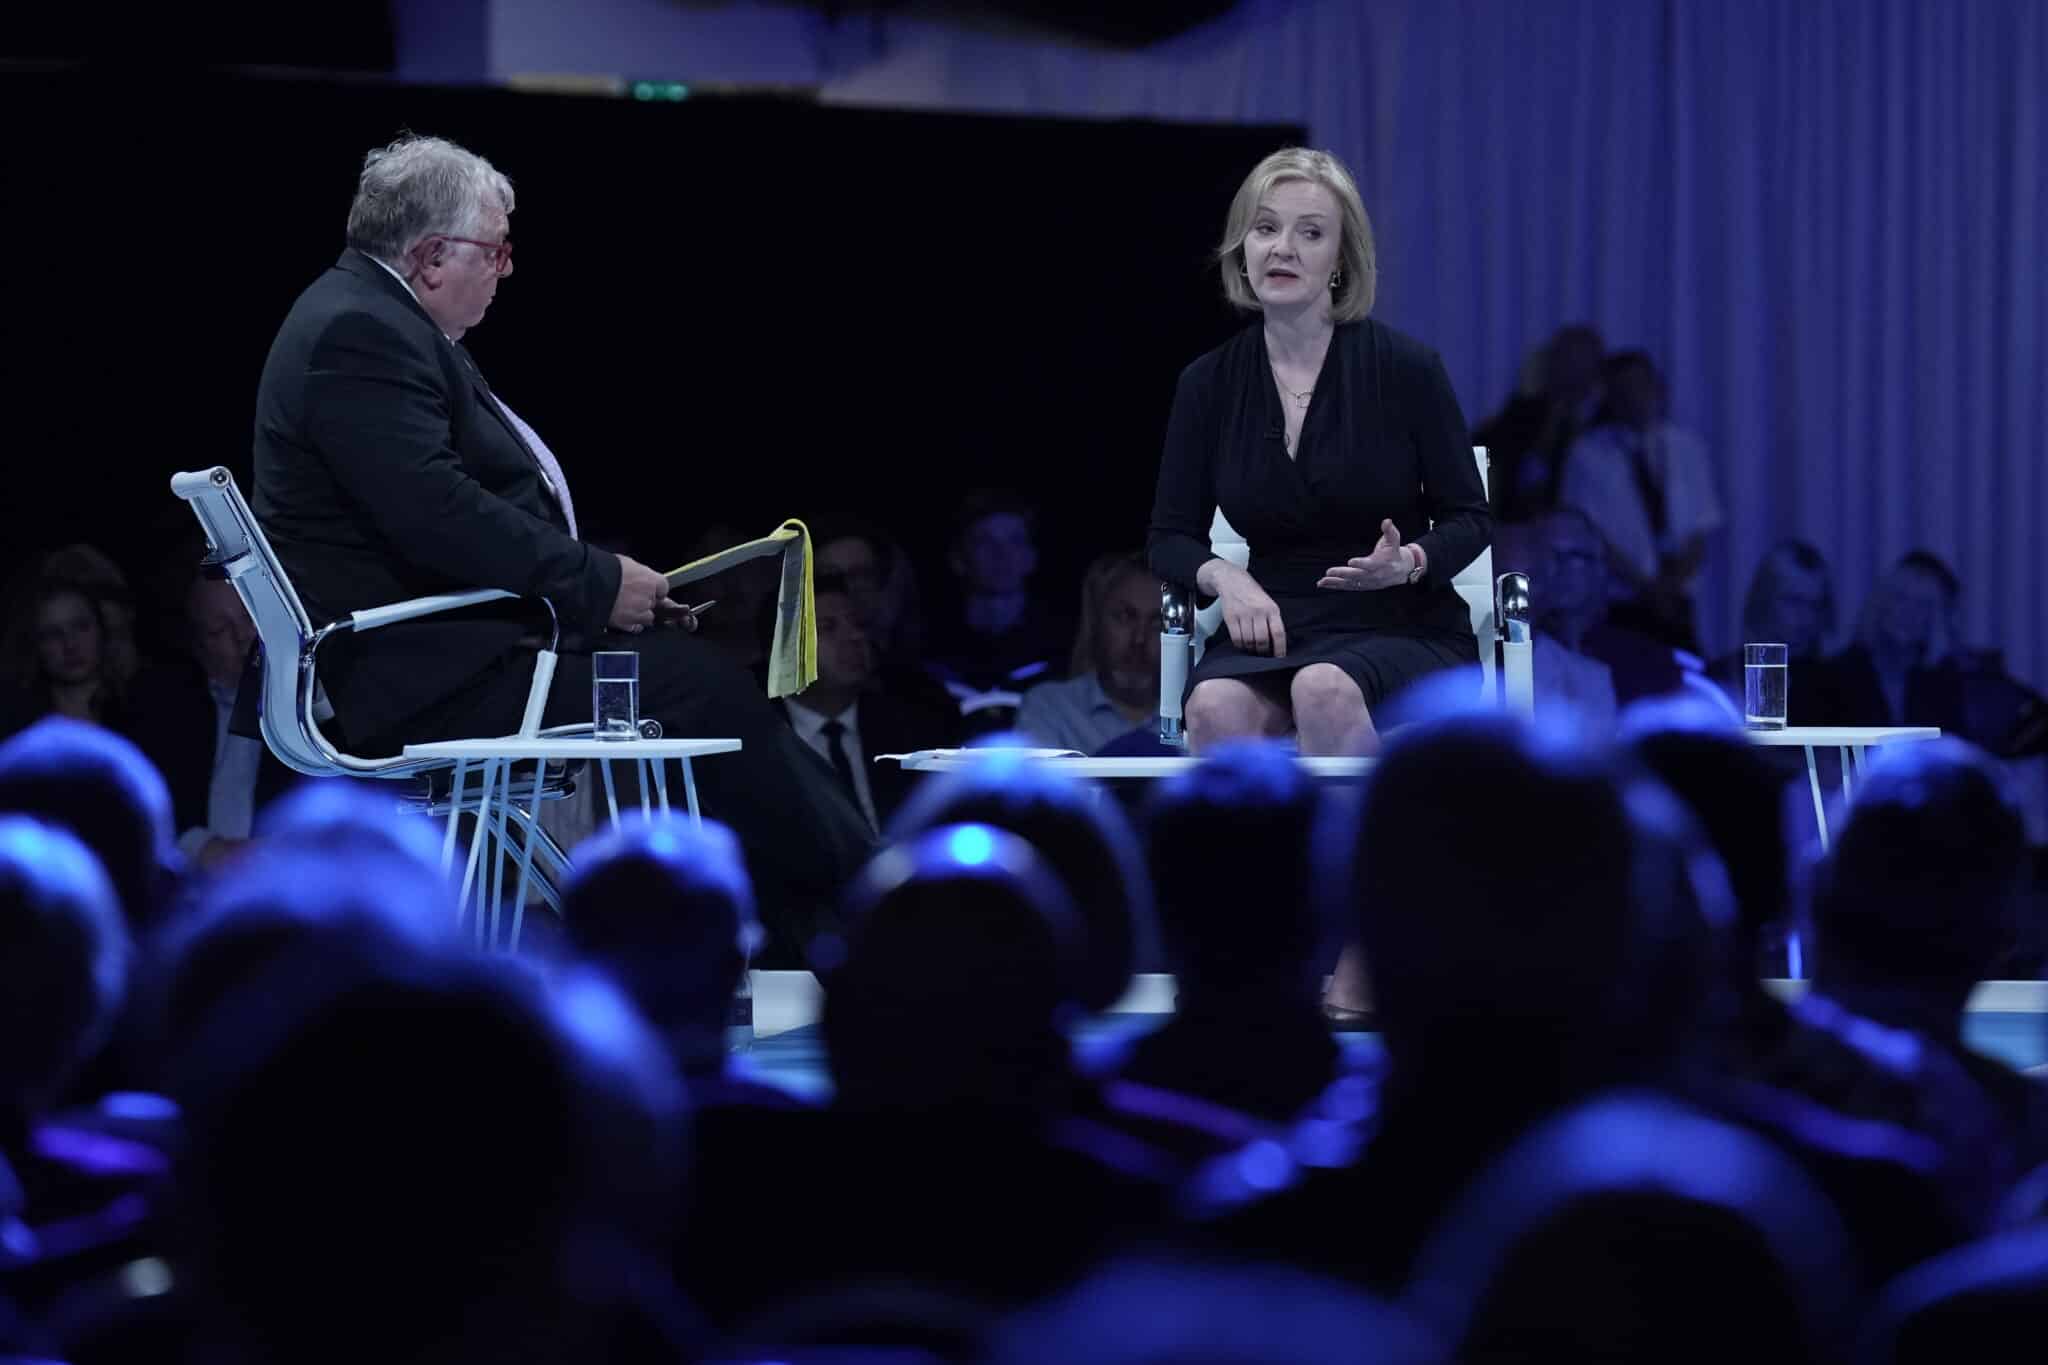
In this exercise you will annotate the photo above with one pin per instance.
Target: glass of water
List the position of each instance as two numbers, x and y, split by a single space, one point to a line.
1763 686
615 694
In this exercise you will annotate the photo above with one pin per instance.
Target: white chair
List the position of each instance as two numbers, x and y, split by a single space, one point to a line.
1499 610
293 705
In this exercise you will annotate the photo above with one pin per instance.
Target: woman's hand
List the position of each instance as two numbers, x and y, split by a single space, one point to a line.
1248 613
1387 566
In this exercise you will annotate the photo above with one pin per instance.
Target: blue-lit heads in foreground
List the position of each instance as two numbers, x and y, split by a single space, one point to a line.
1923 884
63 962
667 909
1240 873
100 787
952 986
1087 843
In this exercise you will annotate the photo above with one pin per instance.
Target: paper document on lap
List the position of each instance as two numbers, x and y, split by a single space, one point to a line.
793 655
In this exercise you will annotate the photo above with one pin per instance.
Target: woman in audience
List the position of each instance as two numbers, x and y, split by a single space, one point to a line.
1335 447
62 656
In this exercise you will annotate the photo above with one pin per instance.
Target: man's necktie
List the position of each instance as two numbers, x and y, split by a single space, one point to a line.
835 749
550 467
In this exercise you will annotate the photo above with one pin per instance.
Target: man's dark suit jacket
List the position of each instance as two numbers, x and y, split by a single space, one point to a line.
384 471
890 725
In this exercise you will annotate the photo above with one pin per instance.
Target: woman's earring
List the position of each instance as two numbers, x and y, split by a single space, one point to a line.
1336 281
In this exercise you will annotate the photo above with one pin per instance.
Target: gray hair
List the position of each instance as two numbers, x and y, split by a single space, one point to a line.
419 187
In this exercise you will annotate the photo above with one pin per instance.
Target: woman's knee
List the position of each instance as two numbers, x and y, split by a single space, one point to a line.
1222 708
1325 697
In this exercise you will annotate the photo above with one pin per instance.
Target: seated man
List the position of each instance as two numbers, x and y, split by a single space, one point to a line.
1113 684
848 723
387 469
998 637
1574 601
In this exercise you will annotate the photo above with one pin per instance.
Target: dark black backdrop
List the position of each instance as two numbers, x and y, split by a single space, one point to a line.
732 309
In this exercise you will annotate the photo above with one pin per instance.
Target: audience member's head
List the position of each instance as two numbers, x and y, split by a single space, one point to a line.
1791 600
221 629
59 647
1921 886
1598 1234
878 576
1635 390
1240 873
1087 843
341 818
952 987
1492 893
403 1154
98 786
63 964
667 909
1911 612
1173 1311
1118 639
1573 574
847 655
1571 364
1733 791
995 548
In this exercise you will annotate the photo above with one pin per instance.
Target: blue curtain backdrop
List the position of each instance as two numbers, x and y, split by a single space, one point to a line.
1824 217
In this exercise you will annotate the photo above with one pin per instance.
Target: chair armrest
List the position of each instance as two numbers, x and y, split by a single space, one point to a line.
1176 656
375 617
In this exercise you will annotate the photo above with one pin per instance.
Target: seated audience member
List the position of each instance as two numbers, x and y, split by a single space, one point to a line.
1919 900
102 789
1573 572
1910 667
1509 977
1894 1130
667 910
1648 486
218 779
1238 875
1791 601
1087 843
62 655
996 638
402 1152
74 1203
848 723
1112 682
1594 1236
1558 398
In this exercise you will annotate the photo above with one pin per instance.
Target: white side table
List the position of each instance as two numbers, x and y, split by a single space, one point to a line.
1855 741
492 760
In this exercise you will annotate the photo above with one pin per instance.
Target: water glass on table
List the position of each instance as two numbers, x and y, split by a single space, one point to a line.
615 694
1764 692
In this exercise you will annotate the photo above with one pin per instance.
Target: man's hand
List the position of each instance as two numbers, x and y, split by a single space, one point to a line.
643 598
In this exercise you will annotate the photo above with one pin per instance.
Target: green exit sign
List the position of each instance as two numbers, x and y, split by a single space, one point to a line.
660 90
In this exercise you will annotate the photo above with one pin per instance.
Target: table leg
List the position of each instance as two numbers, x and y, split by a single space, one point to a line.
1820 805
477 839
1848 784
526 855
690 794
1860 751
454 816
502 846
611 793
661 784
646 808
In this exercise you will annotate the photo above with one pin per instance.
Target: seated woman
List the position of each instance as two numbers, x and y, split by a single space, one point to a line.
1321 433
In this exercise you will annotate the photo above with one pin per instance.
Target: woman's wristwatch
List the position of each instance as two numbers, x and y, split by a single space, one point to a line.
1416 565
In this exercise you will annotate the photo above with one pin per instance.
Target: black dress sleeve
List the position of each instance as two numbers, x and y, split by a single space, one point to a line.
1453 497
1184 504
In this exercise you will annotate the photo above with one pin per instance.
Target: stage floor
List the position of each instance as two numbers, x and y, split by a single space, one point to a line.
2007 1020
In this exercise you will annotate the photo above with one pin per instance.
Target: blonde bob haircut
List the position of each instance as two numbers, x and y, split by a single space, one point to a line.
1352 299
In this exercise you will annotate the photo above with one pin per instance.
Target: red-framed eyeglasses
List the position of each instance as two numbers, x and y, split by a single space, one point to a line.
498 255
